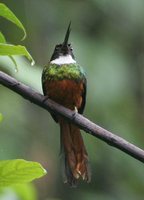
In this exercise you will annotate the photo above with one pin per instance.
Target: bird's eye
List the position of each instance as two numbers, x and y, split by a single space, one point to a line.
57 48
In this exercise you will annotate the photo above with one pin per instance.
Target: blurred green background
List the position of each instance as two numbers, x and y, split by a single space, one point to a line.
108 41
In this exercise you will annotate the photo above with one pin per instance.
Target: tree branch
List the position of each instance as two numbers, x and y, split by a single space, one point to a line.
77 119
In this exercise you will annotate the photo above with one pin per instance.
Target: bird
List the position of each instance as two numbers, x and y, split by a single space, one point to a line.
64 81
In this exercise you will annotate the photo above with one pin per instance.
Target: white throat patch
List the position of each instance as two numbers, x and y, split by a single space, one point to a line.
63 60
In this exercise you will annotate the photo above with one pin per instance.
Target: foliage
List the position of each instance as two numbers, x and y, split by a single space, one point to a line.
19 171
7 49
1 117
19 191
108 42
16 171
9 15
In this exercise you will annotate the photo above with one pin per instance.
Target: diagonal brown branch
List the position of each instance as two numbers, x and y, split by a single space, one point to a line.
77 119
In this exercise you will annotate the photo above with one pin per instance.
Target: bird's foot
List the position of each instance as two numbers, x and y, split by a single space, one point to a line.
74 113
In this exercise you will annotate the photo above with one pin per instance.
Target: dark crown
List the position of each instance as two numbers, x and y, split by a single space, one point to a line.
65 48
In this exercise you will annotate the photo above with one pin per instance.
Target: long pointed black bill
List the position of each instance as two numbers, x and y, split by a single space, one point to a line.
67 35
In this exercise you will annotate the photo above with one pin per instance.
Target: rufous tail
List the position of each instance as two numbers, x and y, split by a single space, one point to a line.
75 156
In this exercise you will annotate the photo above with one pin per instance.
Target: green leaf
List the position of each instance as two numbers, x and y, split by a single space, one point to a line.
9 15
26 191
9 50
2 38
1 117
14 62
19 172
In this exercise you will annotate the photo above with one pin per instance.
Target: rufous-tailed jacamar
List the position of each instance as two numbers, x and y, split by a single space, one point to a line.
64 82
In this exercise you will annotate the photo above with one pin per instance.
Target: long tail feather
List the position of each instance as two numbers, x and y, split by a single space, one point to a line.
75 156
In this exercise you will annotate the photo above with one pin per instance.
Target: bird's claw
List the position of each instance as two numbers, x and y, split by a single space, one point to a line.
74 113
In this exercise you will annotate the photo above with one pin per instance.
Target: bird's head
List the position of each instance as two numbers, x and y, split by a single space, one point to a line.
64 49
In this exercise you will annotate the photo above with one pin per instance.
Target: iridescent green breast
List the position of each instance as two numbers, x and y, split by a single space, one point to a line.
65 71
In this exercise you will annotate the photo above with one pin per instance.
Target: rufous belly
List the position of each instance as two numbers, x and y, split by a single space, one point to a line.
65 92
